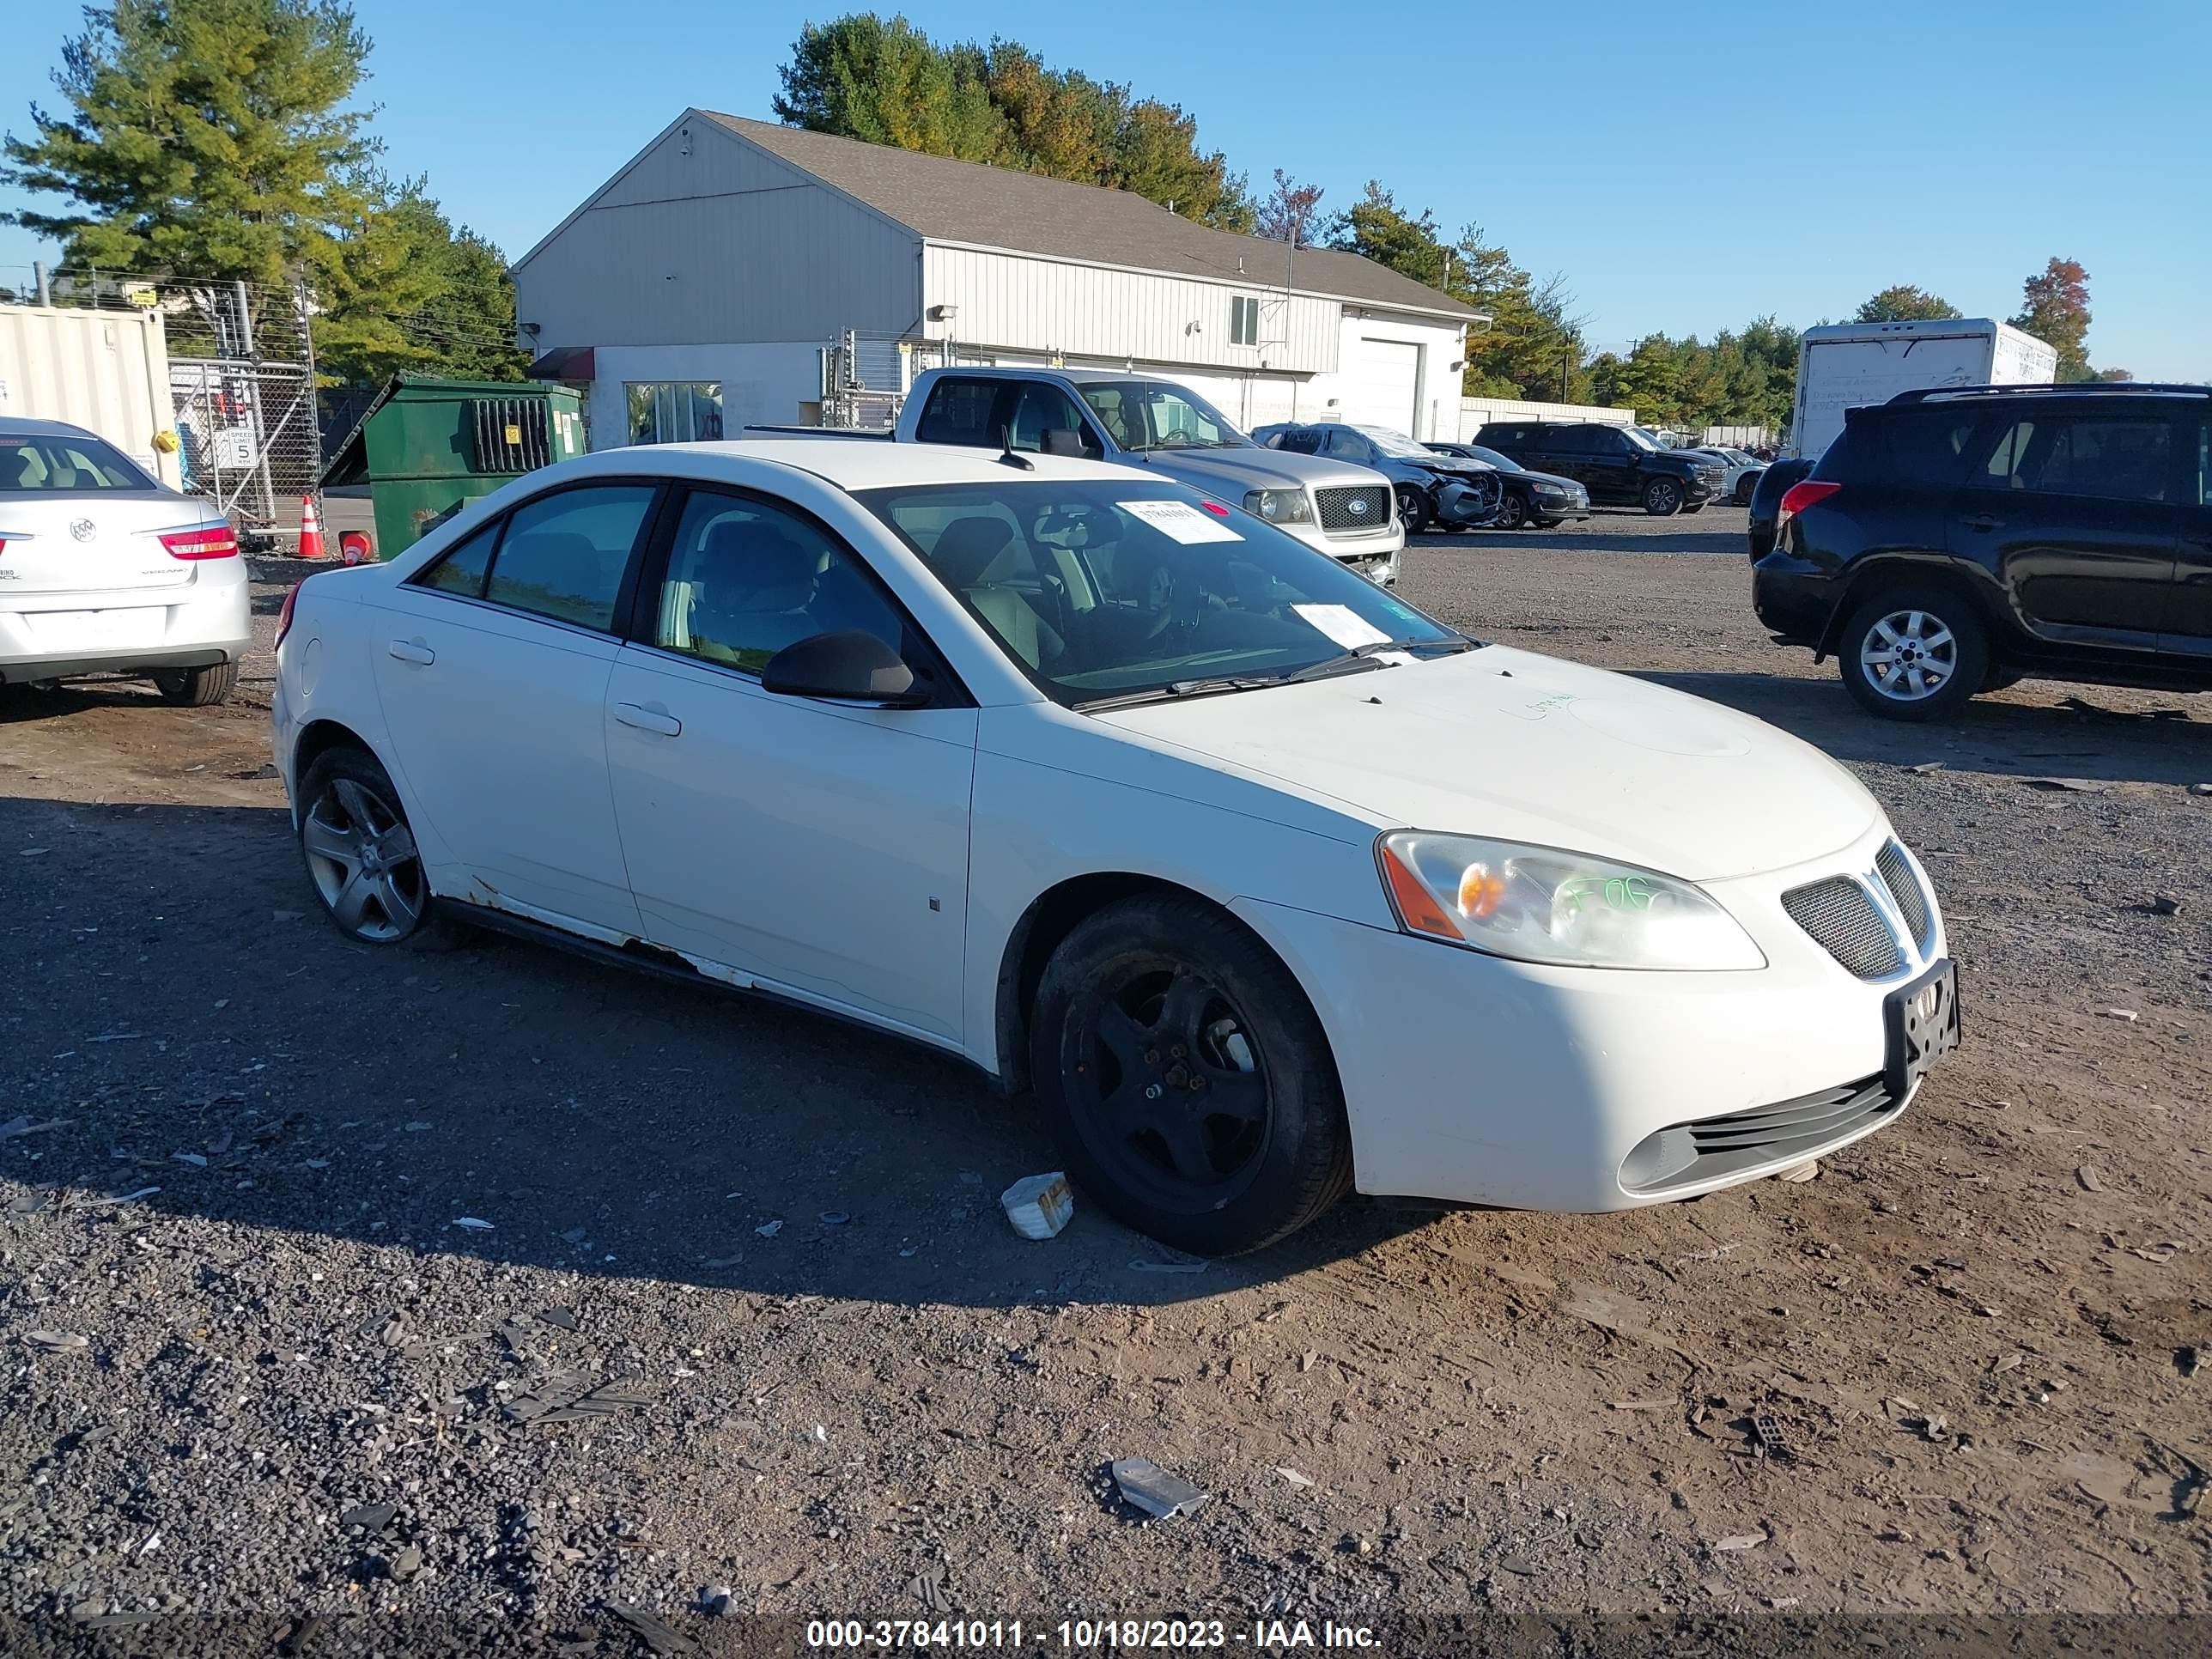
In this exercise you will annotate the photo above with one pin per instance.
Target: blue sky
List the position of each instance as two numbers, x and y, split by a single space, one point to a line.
1686 165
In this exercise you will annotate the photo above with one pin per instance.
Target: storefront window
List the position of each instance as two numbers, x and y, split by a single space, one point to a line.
674 411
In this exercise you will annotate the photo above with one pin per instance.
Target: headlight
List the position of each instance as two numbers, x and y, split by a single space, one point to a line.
1545 904
1280 506
1549 490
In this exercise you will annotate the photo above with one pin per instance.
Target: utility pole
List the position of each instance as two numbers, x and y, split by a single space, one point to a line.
45 286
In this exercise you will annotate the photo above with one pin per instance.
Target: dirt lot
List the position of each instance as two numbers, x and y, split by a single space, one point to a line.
1978 1332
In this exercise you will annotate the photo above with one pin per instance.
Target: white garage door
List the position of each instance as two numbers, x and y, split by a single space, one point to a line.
1380 384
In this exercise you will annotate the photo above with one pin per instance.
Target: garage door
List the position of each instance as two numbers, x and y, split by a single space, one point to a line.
1380 385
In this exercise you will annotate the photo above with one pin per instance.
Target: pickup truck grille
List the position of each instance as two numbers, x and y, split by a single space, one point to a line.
1712 477
1352 509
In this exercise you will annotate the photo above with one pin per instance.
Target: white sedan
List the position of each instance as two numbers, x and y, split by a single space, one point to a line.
1265 884
104 570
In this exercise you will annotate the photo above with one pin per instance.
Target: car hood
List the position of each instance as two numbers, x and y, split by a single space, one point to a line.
1230 472
1508 744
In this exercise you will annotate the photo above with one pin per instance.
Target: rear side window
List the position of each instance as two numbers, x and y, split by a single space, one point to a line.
1041 407
959 412
2113 459
1571 439
1927 445
563 554
462 569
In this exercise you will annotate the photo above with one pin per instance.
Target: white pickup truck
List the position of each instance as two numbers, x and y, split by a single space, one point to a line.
1345 511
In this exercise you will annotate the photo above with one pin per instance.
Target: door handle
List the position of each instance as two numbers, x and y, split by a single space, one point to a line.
1982 522
413 650
649 717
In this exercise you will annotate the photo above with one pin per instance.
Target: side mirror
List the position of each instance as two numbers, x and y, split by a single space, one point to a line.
1065 441
849 665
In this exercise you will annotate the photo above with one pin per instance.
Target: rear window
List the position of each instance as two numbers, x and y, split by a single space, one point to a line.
959 412
1928 446
31 464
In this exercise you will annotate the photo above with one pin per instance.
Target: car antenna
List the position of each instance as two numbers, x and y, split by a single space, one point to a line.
1007 458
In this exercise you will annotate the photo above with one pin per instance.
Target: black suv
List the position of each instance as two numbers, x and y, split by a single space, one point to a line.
1620 465
1957 539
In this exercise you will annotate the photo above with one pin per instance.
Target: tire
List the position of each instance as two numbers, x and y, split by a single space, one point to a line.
360 857
1744 487
1513 511
2000 679
197 687
1412 509
1663 497
1946 663
1127 1048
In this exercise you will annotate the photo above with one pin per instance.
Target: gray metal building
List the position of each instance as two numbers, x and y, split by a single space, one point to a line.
700 287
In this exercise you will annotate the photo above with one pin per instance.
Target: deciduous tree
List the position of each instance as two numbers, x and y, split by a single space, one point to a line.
1904 303
2055 308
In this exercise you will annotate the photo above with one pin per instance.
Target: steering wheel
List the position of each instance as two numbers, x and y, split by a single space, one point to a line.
1180 603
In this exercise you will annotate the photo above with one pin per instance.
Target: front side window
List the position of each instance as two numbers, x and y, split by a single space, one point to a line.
1111 589
675 411
563 554
1300 441
1141 415
34 465
1349 446
1041 407
745 579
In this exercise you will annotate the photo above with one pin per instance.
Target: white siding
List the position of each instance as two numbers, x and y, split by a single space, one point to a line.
1437 345
106 371
762 385
1022 302
705 240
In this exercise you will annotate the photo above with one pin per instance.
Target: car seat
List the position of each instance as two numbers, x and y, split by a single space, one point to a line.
969 553
755 591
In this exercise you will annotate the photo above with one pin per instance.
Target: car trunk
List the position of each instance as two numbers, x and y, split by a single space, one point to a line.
92 542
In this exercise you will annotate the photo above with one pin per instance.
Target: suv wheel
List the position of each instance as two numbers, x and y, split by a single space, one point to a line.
1412 509
1913 653
1663 497
1513 511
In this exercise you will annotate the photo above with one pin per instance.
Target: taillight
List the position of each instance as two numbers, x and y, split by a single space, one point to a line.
207 541
1800 495
284 615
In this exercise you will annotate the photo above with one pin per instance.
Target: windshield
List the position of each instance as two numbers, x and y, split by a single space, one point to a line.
34 464
1492 458
1142 415
1641 439
1397 443
1103 589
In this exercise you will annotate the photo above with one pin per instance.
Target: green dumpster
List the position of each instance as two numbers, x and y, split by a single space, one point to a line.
426 448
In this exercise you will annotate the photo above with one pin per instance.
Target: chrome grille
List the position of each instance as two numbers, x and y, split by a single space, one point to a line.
1710 1148
1897 874
1711 477
1843 922
1338 511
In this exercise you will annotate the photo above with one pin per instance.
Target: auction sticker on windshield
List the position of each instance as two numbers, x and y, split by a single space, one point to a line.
1181 520
1341 624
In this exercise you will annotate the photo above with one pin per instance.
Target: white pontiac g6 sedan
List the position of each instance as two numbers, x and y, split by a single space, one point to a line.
1265 884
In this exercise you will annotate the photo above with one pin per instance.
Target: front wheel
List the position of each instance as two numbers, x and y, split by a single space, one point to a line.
1913 653
1412 509
362 856
1187 1079
1662 498
1744 487
1513 511
197 687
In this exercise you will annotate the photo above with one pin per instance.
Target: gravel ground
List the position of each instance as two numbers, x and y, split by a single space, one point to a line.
306 1251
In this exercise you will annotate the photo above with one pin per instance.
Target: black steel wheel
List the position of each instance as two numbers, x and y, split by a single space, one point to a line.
1187 1079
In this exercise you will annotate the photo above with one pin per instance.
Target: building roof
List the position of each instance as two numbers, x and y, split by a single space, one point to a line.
948 201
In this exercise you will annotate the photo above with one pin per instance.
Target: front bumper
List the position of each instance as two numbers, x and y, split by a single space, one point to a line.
1474 1079
1558 507
199 624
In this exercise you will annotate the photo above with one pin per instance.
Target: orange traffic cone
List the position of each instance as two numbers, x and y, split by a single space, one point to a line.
311 529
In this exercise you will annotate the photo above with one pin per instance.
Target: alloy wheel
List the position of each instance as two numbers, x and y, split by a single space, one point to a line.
364 862
1171 1090
1909 655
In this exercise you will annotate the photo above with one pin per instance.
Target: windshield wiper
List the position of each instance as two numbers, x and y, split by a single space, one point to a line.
1184 688
1372 653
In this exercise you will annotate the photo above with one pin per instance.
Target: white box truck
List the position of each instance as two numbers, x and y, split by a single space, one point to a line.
1848 365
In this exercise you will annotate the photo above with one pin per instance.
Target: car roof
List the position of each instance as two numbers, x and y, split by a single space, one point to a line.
22 426
1073 376
853 463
